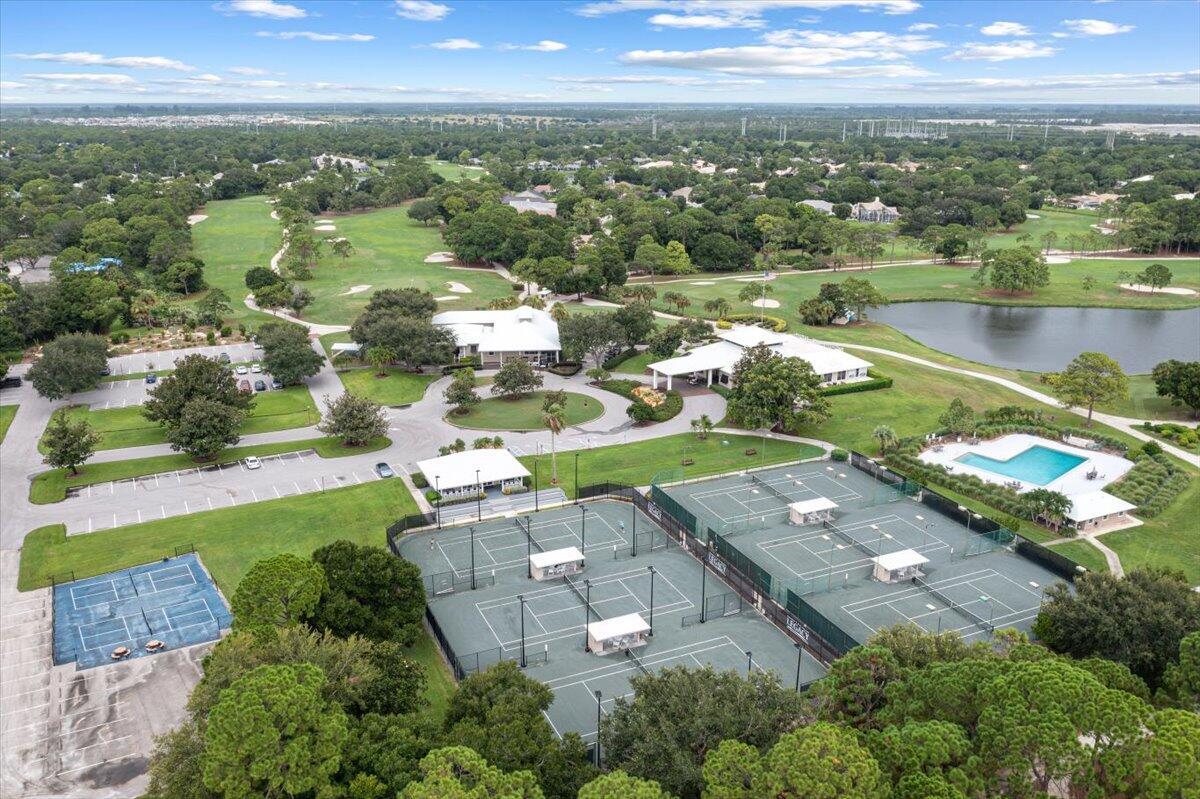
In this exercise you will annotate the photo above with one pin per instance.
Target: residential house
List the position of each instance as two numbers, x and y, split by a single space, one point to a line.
823 206
873 211
531 201
325 160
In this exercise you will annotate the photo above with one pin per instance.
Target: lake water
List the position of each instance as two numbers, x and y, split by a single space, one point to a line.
1046 339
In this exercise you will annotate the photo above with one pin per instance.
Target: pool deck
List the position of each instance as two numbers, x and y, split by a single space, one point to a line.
1110 467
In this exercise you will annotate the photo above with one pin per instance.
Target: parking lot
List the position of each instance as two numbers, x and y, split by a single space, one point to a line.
117 393
114 504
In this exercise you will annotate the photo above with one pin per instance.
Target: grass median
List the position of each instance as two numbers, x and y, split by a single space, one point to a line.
398 387
7 414
51 486
525 413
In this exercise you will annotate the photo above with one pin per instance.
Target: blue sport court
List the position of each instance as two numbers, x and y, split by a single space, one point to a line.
173 601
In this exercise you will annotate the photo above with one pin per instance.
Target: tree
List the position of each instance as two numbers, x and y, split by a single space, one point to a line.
886 437
593 335
405 301
259 277
380 356
342 248
702 426
278 591
273 734
649 256
861 294
675 260
959 418
424 211
355 420
204 428
1014 269
516 379
69 444
415 341
195 377
664 733
70 363
818 760
1050 506
1181 680
1139 620
619 785
461 392
458 772
719 306
1091 378
1180 381
757 290
369 593
1011 213
213 308
642 292
553 417
772 391
636 320
1155 276
287 353
1088 282
679 300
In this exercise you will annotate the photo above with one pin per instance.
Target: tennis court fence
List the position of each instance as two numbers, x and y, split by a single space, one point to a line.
716 607
452 582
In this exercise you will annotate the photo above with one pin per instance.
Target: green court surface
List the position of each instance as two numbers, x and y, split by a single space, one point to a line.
542 624
969 582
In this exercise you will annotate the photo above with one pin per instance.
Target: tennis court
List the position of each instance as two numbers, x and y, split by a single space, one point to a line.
824 566
544 624
172 601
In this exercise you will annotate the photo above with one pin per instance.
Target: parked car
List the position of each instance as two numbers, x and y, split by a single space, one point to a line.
151 378
244 385
256 368
11 381
105 370
276 385
223 357
260 385
241 370
383 470
252 462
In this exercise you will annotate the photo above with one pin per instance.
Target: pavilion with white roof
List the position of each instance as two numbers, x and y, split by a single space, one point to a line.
499 336
471 471
716 361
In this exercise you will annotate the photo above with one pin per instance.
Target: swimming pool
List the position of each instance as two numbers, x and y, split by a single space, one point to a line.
1037 465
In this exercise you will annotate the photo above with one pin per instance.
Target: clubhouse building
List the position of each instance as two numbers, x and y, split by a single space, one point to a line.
714 363
501 336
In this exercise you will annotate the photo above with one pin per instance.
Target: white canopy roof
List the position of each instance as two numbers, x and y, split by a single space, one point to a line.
521 329
813 505
458 469
554 557
616 626
905 558
724 355
1094 504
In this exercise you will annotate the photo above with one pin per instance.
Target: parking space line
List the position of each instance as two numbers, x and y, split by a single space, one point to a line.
254 494
297 485
277 494
210 505
139 513
356 477
185 507
163 508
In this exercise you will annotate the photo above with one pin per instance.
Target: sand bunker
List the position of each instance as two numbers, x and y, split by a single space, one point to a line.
765 303
758 279
194 218
325 228
440 258
448 298
703 283
1177 290
458 288
355 290
1058 259
1032 216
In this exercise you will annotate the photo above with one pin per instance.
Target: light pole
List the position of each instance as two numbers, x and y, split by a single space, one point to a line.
991 609
472 557
576 478
703 581
799 660
437 489
749 662
478 498
587 613
599 708
583 529
651 570
535 478
521 599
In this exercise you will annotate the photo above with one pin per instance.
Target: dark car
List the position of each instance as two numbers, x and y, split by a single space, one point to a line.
12 381
260 385
151 378
244 386
223 357
383 470
276 385
105 371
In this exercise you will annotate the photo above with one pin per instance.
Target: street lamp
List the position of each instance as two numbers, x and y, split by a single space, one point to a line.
583 529
599 707
749 662
478 498
521 599
651 570
576 478
587 613
472 557
799 660
437 489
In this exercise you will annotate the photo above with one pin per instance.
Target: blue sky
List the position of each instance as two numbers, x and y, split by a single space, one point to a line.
723 51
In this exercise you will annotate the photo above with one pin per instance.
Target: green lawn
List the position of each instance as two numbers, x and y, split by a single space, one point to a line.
638 363
390 252
51 486
638 463
1084 554
451 171
273 410
400 387
496 413
7 413
237 235
1168 540
1063 221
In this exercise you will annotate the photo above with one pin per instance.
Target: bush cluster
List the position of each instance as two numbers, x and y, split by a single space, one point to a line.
620 358
1184 436
1152 484
565 368
778 324
876 382
639 411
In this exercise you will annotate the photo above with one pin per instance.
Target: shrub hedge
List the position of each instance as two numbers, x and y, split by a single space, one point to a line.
876 382
565 368
620 358
640 411
778 324
1152 484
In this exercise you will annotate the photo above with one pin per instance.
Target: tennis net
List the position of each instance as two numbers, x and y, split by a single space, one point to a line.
571 584
637 661
756 480
849 539
524 527
979 620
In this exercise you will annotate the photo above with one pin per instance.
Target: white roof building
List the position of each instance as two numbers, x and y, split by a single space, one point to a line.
475 467
824 206
1096 508
718 360
517 333
325 159
531 201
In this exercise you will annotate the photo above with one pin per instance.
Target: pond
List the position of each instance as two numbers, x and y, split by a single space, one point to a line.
1046 339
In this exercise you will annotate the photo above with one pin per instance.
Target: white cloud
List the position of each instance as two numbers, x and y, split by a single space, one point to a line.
262 8
920 27
96 59
1001 51
544 46
706 21
723 14
104 78
456 44
1095 27
1098 82
421 10
766 60
9 85
864 44
1005 29
247 71
663 80
317 37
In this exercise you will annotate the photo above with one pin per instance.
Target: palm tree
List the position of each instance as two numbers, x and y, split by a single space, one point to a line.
720 306
886 437
642 292
1049 506
680 301
703 426
380 356
553 419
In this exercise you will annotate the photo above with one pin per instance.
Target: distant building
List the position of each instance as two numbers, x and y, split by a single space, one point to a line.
1187 195
823 206
656 165
325 159
531 201
1091 200
874 211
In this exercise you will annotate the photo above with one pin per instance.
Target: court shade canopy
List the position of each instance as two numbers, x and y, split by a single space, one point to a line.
619 632
482 467
900 565
808 509
555 563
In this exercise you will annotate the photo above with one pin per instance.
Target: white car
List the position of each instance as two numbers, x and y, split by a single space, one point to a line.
256 369
241 370
252 462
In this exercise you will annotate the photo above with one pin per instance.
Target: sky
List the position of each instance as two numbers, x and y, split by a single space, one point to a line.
656 51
